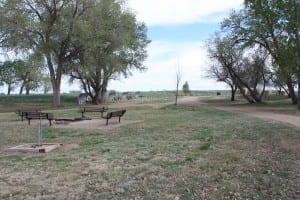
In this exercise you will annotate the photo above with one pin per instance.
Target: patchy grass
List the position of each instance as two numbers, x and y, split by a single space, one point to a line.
271 103
183 152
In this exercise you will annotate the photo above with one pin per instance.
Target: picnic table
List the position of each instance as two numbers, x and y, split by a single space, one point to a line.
22 112
118 113
39 115
92 109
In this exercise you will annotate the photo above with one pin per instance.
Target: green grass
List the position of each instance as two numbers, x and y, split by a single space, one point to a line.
13 102
186 152
272 103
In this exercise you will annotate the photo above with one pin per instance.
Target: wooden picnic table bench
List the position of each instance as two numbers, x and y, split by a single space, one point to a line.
118 113
39 115
92 109
22 112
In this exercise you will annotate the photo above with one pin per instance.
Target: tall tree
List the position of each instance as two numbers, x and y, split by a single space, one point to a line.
217 70
248 74
255 73
274 25
226 63
293 14
44 27
112 43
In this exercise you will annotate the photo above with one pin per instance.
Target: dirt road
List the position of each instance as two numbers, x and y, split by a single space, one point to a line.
246 110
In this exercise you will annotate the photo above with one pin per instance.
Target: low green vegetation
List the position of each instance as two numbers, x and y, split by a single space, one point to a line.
162 151
13 102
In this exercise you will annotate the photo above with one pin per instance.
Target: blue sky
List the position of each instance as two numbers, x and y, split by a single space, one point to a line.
178 30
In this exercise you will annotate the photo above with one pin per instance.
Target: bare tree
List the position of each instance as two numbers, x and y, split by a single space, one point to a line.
46 28
178 80
249 74
221 74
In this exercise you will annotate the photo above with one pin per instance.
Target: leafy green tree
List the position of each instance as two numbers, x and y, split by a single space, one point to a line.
8 74
273 25
20 73
113 44
29 74
32 83
186 88
46 84
43 27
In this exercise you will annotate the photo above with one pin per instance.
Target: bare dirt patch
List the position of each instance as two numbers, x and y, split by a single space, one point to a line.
33 148
67 147
95 124
262 114
191 100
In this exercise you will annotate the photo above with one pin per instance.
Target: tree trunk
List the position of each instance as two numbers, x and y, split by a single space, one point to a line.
254 95
103 92
178 78
298 52
291 90
176 93
176 97
27 91
55 76
21 88
95 98
252 98
242 91
101 98
56 94
233 91
298 77
8 89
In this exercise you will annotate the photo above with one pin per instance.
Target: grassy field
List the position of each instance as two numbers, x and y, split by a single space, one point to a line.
11 103
182 152
272 103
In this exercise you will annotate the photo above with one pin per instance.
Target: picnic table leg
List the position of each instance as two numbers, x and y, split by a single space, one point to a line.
106 121
119 119
28 121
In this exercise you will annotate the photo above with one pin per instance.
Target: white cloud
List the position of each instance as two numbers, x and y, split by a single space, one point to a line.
167 12
164 59
189 57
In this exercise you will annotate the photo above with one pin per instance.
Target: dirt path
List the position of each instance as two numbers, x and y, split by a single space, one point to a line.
246 110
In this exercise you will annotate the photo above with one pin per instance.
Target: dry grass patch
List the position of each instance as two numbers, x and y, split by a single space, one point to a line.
95 124
183 152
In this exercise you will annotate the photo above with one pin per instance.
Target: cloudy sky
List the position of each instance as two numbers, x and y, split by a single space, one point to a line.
178 30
